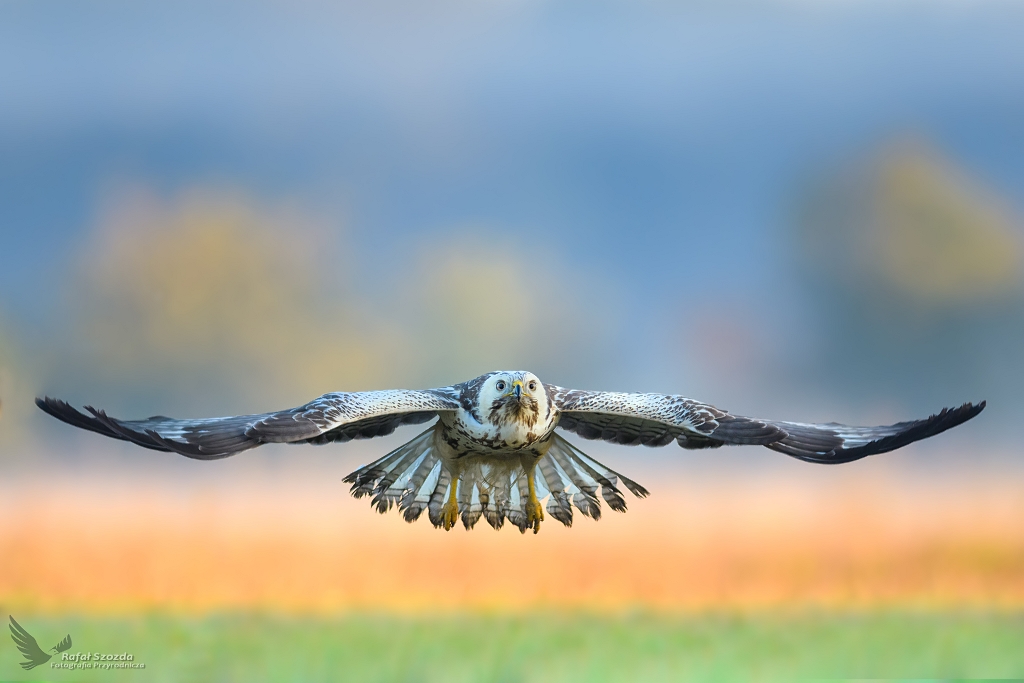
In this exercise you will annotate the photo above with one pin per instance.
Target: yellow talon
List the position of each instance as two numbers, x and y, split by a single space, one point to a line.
450 510
534 511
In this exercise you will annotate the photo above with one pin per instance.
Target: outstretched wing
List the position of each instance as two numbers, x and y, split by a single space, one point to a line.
27 645
332 417
657 420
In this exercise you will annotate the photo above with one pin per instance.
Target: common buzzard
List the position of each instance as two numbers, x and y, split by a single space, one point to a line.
494 452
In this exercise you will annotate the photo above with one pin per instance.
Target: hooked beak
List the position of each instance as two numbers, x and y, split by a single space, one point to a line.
517 390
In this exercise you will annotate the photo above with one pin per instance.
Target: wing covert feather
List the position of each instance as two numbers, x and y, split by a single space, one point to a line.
656 420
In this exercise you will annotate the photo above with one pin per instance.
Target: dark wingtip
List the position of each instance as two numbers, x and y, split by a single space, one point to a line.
53 406
945 419
948 418
65 412
951 417
824 444
100 422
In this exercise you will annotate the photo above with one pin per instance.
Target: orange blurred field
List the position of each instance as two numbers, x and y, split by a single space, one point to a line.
293 540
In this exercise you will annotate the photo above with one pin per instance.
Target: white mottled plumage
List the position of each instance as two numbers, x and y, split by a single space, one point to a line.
493 452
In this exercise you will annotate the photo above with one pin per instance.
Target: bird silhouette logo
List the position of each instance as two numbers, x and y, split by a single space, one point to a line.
34 655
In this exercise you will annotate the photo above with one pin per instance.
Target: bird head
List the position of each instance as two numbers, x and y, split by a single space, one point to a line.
513 397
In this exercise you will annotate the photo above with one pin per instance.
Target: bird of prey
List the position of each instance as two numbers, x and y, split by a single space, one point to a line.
494 452
33 654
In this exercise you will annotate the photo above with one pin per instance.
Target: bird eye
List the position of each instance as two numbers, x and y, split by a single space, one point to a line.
500 386
532 386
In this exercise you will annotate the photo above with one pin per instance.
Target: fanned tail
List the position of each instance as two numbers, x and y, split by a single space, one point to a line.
413 478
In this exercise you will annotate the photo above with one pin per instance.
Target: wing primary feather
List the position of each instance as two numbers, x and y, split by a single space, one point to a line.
744 431
64 412
187 449
139 439
834 443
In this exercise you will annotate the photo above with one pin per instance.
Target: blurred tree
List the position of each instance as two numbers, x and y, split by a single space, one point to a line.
480 303
15 387
216 303
916 270
216 295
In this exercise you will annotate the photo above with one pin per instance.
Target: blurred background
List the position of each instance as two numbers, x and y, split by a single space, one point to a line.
795 210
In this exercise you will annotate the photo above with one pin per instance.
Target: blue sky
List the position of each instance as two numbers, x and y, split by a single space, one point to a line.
662 146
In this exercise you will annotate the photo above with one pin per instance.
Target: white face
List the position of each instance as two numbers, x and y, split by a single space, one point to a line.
513 397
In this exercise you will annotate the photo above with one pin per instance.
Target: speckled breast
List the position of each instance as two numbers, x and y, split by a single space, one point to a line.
459 438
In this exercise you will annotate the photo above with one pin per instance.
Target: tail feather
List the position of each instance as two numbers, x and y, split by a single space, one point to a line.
487 506
583 490
390 488
469 500
417 494
586 502
558 505
401 467
500 503
388 494
609 491
436 502
564 460
516 514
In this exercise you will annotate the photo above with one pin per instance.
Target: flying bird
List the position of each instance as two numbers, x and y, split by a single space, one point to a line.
34 655
493 451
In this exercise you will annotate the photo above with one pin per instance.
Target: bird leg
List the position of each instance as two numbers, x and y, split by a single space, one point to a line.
533 509
450 510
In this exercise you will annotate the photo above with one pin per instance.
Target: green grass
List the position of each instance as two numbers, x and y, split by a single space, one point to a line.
548 647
